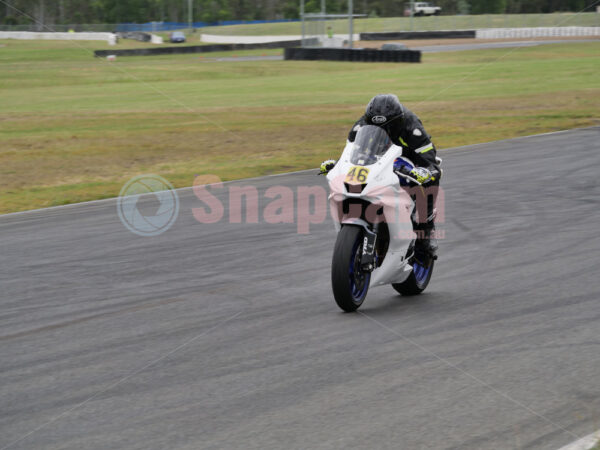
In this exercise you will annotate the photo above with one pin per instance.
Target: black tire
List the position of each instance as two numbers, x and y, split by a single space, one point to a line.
413 285
350 286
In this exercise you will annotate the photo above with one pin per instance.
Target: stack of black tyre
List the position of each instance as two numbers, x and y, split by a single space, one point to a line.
351 54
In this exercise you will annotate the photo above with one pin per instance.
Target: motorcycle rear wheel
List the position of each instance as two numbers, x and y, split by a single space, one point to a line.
418 279
349 282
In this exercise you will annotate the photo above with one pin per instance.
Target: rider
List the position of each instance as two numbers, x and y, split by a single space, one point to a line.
406 130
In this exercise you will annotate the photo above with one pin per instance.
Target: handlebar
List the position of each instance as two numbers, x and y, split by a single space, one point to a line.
404 172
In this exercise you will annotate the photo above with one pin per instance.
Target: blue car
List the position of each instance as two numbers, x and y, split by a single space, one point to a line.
177 37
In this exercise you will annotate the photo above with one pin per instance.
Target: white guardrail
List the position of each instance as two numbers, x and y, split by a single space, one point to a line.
485 33
111 38
511 33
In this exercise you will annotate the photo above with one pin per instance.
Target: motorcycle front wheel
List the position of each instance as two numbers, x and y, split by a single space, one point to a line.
350 283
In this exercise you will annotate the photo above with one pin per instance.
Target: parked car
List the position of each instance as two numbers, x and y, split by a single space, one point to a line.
393 46
177 37
422 9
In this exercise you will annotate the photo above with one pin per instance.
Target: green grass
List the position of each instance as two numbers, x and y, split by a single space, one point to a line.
419 23
75 128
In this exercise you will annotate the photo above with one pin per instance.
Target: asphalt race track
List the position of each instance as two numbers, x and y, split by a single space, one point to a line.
226 335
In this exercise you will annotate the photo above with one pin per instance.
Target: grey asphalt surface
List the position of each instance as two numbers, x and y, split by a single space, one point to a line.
227 336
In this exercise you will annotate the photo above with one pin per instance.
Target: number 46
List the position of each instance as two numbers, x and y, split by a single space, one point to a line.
358 174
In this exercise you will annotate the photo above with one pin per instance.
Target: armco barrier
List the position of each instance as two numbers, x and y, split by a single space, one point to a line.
519 33
450 34
111 38
352 54
193 49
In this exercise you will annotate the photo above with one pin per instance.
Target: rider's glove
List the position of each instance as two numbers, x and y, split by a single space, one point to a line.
326 166
422 175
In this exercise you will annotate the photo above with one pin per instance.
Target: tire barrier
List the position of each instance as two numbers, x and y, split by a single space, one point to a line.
388 36
352 55
193 49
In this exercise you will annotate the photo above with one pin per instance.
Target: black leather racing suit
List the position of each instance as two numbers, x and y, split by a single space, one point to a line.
409 133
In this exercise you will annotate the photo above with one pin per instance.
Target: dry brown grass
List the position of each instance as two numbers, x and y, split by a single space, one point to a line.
251 119
186 146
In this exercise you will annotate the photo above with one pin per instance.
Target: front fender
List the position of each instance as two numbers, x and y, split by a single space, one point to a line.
355 221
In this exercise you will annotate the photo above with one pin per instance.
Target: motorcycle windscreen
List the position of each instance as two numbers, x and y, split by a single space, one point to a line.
370 144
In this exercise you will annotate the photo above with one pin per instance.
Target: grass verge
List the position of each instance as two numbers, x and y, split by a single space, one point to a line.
75 128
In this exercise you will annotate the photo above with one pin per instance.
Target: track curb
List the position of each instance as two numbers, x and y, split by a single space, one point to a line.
585 443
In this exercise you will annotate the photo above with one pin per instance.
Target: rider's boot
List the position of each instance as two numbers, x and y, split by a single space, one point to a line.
426 245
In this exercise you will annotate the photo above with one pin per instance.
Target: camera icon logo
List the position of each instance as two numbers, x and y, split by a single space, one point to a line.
148 205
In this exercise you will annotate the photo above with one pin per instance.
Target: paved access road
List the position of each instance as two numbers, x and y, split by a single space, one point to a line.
227 335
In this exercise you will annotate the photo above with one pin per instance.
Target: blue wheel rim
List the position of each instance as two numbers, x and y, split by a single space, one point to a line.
421 272
358 286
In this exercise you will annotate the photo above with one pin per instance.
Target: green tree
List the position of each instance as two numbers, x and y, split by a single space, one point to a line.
488 6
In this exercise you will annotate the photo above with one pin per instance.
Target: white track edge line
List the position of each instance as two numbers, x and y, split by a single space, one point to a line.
585 443
102 200
451 149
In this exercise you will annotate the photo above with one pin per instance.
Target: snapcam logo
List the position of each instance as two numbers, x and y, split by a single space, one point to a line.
148 205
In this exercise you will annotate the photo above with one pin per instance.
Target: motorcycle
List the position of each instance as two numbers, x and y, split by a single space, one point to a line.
373 206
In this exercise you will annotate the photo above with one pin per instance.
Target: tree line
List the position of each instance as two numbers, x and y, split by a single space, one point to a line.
15 12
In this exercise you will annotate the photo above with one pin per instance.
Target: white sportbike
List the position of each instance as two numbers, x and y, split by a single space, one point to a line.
372 206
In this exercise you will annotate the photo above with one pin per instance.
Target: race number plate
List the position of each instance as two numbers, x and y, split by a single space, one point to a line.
357 175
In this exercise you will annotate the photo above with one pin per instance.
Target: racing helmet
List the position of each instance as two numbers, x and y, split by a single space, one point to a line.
383 109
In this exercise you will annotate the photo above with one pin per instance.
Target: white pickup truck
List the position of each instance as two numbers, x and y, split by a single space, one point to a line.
422 9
